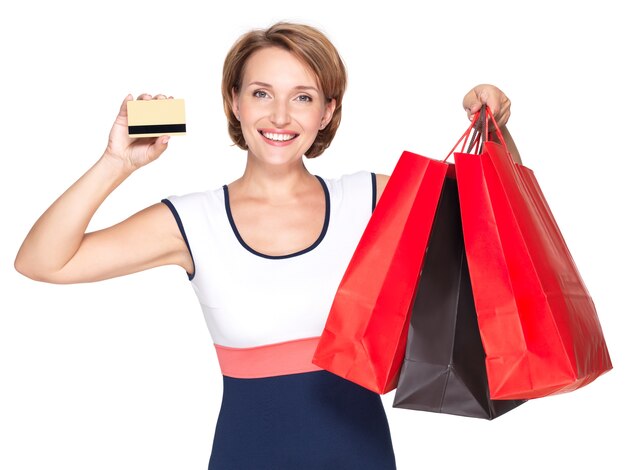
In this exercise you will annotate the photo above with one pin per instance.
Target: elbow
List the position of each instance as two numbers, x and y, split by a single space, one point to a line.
30 270
21 266
25 270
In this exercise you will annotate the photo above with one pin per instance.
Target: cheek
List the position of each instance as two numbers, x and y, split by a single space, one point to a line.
248 107
246 112
311 119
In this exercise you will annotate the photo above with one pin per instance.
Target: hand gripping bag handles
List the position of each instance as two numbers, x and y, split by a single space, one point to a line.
444 365
364 338
537 321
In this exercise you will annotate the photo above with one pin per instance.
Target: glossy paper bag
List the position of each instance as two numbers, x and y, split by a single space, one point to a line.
444 365
365 334
538 323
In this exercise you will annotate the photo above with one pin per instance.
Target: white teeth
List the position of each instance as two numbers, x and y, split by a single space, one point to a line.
278 137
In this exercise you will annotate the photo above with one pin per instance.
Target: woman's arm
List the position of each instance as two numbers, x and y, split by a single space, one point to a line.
381 182
500 106
510 145
58 250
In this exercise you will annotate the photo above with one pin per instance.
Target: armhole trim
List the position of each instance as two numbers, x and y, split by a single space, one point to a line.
374 190
179 222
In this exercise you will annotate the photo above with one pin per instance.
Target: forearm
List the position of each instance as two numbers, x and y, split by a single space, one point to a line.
59 232
510 145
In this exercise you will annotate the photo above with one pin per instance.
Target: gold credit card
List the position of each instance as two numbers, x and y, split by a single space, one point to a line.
151 118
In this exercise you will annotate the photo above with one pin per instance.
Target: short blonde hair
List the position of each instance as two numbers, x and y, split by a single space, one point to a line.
311 47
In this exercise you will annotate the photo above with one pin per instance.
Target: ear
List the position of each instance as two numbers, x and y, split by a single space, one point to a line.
329 110
235 101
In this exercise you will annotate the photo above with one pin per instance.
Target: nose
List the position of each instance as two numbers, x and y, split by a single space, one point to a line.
280 115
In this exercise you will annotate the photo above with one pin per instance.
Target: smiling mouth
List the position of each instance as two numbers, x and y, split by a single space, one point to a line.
278 137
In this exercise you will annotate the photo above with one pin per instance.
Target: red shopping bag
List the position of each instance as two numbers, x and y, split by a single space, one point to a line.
364 338
537 321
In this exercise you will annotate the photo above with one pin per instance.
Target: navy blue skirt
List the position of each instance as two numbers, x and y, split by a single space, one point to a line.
313 420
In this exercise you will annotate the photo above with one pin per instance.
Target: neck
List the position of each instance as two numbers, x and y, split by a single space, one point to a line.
274 182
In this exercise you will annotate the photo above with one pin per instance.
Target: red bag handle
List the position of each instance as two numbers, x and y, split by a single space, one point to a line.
479 136
464 137
495 126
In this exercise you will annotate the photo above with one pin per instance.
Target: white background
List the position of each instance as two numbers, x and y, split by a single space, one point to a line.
122 374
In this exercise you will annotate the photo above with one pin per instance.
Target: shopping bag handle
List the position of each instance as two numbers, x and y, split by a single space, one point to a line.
480 128
464 138
476 139
490 117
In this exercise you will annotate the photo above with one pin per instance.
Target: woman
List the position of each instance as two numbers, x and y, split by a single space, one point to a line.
265 253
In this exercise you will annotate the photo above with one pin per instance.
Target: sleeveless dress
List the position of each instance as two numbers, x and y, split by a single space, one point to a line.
265 315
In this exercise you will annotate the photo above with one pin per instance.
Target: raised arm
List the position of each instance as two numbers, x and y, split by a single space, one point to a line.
58 250
500 106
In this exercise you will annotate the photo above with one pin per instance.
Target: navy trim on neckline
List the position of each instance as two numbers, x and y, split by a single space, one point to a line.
289 255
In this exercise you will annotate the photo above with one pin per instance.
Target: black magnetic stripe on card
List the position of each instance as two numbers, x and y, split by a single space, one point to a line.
157 129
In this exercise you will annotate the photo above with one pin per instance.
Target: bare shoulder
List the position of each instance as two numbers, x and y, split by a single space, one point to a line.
157 218
381 183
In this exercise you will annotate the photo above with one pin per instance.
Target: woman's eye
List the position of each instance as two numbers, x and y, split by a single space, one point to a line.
259 94
304 98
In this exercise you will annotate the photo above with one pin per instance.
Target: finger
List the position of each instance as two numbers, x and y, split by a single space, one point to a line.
503 118
501 109
493 100
158 147
483 94
472 103
144 96
160 97
499 104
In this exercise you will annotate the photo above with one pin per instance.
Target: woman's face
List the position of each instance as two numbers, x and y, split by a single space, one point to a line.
280 106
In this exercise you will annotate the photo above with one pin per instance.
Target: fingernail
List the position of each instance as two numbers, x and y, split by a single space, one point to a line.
166 139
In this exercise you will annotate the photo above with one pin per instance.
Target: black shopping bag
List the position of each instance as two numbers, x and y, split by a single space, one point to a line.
444 365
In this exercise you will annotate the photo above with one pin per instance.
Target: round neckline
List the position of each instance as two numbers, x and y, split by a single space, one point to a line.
243 243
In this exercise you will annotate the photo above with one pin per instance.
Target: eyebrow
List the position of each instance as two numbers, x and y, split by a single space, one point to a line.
299 87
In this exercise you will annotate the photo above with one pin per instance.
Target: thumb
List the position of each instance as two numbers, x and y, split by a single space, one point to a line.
482 98
473 103
123 108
